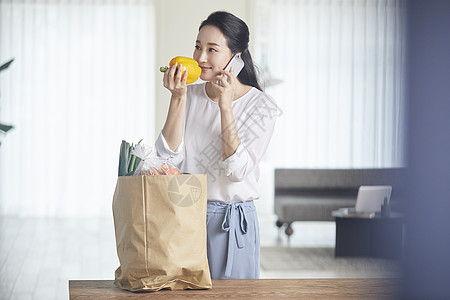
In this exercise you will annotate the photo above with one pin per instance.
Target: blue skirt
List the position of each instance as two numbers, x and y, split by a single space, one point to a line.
233 240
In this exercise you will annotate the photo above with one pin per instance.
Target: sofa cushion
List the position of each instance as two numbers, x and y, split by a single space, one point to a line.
318 208
334 178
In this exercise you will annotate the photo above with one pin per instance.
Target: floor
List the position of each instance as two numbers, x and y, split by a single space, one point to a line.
39 255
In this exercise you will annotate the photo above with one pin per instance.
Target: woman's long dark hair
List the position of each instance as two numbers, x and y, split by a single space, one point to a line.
237 35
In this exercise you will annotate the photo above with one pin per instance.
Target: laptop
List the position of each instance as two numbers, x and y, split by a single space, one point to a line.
371 197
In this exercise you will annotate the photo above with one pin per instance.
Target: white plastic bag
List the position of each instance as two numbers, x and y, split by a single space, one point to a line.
151 164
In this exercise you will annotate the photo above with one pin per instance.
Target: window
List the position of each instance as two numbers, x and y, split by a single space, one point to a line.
82 76
341 67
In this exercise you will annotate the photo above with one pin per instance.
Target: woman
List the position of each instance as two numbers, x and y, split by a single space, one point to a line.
222 128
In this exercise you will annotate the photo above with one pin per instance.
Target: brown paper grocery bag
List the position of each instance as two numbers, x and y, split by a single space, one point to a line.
160 226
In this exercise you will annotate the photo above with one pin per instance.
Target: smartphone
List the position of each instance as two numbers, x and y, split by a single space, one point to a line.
235 62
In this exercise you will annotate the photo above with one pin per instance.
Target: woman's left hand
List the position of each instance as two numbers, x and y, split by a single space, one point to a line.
227 91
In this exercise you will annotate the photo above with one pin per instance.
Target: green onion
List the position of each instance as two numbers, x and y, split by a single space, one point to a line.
127 161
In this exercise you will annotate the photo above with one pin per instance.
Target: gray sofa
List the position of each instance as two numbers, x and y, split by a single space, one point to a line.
312 194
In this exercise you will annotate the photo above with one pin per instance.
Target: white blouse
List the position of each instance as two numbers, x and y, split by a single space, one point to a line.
234 179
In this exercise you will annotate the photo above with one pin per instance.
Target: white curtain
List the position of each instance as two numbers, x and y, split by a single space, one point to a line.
82 80
341 66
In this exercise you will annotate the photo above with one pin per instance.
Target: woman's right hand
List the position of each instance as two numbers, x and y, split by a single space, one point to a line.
175 83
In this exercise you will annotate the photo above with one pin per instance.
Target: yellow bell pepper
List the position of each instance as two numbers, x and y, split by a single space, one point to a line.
189 64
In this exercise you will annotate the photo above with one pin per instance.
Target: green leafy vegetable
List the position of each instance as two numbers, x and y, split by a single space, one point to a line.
127 161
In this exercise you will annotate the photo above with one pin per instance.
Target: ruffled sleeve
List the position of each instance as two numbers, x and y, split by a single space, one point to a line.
163 150
255 135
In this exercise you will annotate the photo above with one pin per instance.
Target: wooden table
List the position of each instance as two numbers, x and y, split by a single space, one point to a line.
359 288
